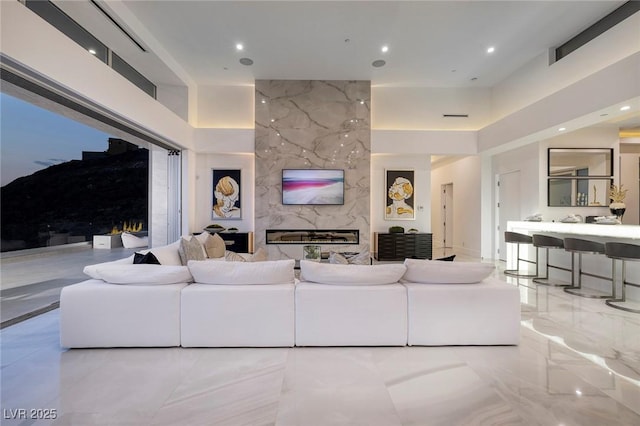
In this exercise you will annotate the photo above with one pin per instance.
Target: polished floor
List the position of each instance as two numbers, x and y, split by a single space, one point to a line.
578 364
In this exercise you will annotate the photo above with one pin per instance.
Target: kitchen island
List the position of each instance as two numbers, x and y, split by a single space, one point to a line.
599 264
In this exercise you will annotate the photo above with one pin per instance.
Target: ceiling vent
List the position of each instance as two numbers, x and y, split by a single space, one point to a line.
455 115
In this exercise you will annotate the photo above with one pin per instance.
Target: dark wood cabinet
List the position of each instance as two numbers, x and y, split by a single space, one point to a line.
239 242
403 246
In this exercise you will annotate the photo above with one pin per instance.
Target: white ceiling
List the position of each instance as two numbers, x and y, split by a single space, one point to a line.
431 43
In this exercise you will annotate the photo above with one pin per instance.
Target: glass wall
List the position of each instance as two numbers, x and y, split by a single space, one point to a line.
63 181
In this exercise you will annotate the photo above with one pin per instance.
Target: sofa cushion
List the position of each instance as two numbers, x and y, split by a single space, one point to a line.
437 272
142 274
326 273
240 273
146 258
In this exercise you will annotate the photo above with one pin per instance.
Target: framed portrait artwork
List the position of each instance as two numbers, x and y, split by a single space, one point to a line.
400 199
226 194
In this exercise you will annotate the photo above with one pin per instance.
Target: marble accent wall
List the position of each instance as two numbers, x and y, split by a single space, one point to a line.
312 125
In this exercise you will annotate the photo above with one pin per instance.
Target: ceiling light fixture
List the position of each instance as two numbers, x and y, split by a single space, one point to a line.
246 61
378 63
239 46
491 49
625 108
562 129
385 49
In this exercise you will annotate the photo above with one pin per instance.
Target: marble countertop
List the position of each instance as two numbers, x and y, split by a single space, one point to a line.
594 229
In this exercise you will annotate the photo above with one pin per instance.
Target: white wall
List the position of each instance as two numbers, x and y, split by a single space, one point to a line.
464 175
205 163
419 108
629 159
537 79
226 107
421 164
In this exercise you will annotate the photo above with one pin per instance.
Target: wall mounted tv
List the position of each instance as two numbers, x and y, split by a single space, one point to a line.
312 187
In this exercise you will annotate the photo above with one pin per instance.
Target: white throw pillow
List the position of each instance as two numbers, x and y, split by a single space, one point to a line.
143 274
240 273
438 272
166 255
327 273
92 270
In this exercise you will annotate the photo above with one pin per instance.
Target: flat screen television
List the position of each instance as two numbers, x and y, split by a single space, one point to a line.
312 187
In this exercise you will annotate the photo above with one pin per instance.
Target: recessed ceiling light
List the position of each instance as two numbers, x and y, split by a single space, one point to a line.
385 49
625 108
378 63
491 49
239 46
92 51
562 129
263 101
246 61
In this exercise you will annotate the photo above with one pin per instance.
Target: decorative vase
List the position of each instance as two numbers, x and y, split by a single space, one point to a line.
618 209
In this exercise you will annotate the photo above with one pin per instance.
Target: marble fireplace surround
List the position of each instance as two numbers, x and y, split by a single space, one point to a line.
312 124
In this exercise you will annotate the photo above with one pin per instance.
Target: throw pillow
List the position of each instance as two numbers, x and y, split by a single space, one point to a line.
447 258
260 255
232 256
325 273
147 258
337 258
143 274
92 270
243 273
214 246
435 272
190 249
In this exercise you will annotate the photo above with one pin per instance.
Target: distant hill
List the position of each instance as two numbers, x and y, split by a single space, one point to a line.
79 197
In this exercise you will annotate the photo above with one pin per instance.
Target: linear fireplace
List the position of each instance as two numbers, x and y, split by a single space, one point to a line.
314 236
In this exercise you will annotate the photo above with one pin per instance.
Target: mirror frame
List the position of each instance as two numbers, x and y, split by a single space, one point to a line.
584 150
576 180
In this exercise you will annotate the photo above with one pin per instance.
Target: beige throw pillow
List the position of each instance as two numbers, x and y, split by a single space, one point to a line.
214 246
190 249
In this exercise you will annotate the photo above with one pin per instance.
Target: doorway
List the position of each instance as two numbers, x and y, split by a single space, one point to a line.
446 201
508 207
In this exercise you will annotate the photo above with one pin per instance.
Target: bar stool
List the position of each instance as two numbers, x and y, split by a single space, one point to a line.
580 246
626 253
547 242
517 238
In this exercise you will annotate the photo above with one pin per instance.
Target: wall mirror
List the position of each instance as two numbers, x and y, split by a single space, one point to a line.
579 177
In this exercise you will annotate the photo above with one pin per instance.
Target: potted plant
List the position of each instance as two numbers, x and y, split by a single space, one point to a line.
617 205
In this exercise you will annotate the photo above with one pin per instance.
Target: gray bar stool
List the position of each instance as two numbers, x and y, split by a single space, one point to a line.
580 246
517 238
547 242
626 253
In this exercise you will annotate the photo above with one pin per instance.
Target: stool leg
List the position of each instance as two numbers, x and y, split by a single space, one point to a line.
545 280
577 290
612 302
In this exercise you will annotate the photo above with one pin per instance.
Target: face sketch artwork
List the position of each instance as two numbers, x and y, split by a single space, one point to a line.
226 193
399 191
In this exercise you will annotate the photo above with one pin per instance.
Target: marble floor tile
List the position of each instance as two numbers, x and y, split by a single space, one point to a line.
578 363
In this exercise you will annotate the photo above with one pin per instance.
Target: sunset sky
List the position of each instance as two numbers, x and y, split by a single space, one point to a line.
32 138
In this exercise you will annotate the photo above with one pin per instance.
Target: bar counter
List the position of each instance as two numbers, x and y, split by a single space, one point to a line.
596 263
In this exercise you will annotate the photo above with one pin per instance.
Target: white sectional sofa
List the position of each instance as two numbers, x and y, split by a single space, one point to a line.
217 303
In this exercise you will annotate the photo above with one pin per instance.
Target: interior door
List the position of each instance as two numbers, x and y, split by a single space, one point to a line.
447 215
508 206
